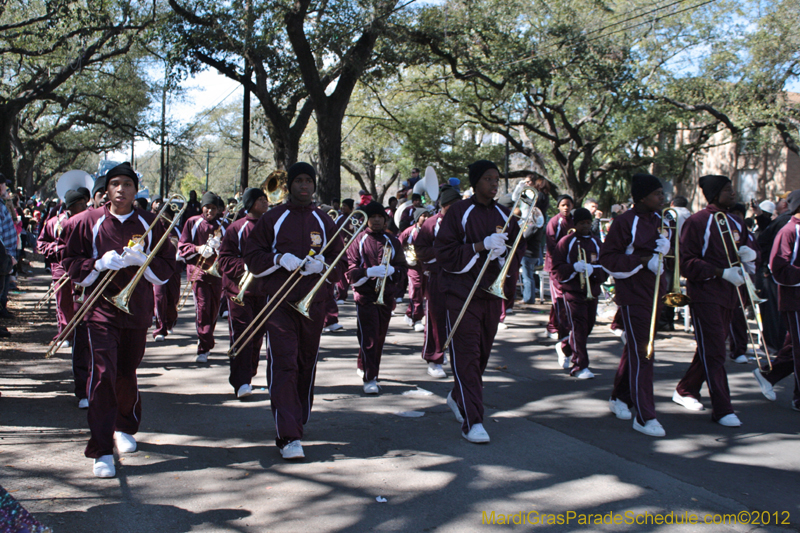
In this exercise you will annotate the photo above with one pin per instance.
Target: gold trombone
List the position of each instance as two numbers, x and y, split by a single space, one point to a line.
304 305
121 300
528 195
380 285
721 220
53 289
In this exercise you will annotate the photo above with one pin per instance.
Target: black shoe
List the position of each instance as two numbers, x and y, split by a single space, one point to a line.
5 313
4 333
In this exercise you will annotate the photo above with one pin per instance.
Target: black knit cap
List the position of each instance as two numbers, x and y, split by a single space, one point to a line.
567 196
209 198
373 208
99 185
448 194
250 196
643 184
123 169
581 214
478 168
712 185
85 192
794 201
71 197
348 202
300 168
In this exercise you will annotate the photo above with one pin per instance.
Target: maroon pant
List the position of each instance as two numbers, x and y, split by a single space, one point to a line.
788 359
65 307
331 309
616 323
245 365
416 293
81 361
372 324
207 296
292 351
435 311
114 401
341 287
737 333
581 317
166 308
711 323
469 352
633 383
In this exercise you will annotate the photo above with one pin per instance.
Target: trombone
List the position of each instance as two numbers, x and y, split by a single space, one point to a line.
304 305
721 220
380 285
53 289
122 299
675 298
528 195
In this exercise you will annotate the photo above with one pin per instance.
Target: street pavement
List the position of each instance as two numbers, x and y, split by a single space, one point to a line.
207 461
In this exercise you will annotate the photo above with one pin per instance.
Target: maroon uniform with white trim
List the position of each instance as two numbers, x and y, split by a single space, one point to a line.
435 334
416 290
168 294
48 246
557 227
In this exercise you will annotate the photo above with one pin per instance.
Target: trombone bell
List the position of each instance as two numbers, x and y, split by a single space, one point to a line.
304 306
496 288
213 270
120 301
675 299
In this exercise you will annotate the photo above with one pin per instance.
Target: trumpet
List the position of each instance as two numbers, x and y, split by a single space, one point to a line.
123 297
528 195
585 281
380 285
721 219
304 305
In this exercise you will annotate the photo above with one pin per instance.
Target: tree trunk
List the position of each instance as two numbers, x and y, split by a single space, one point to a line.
6 152
329 133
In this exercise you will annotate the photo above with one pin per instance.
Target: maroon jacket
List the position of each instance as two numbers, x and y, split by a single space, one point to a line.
48 246
231 262
468 222
631 237
566 255
702 252
785 265
408 237
297 230
196 232
407 218
423 245
557 227
367 252
96 232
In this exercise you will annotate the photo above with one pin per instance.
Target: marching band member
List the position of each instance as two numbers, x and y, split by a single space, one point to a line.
167 296
582 311
245 365
630 254
408 218
416 307
98 193
711 284
198 246
435 334
784 263
737 331
468 235
99 242
365 267
278 245
557 227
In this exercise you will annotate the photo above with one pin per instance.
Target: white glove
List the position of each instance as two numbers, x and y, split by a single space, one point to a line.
662 246
376 271
111 260
734 276
750 267
579 267
205 251
747 254
389 270
134 256
655 266
496 244
589 269
214 243
313 266
290 262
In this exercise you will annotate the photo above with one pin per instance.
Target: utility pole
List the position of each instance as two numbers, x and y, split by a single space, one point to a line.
133 155
244 179
508 132
208 165
163 184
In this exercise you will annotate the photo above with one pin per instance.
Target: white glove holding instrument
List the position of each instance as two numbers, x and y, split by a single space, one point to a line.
205 250
655 266
214 243
747 254
750 267
134 256
389 270
378 271
111 260
495 244
314 265
734 276
290 262
579 267
662 246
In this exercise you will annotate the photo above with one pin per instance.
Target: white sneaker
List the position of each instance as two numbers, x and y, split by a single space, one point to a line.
83 403
225 314
244 390
584 374
360 373
409 322
624 338
202 358
618 332
333 327
293 450
688 402
553 335
742 360
371 387
125 443
339 302
104 466
169 332
620 409
731 421
477 434
66 345
451 403
563 360
159 338
502 325
766 386
436 371
419 327
651 427
509 311
399 300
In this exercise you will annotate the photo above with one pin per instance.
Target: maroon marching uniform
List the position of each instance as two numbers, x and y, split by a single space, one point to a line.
581 312
207 289
435 334
292 339
167 296
557 228
416 307
48 246
373 320
116 339
342 286
468 222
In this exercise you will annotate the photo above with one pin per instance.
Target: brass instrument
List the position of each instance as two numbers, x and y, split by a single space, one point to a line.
721 220
528 195
198 268
584 276
411 255
52 290
333 213
275 187
294 278
93 297
213 270
247 278
380 285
